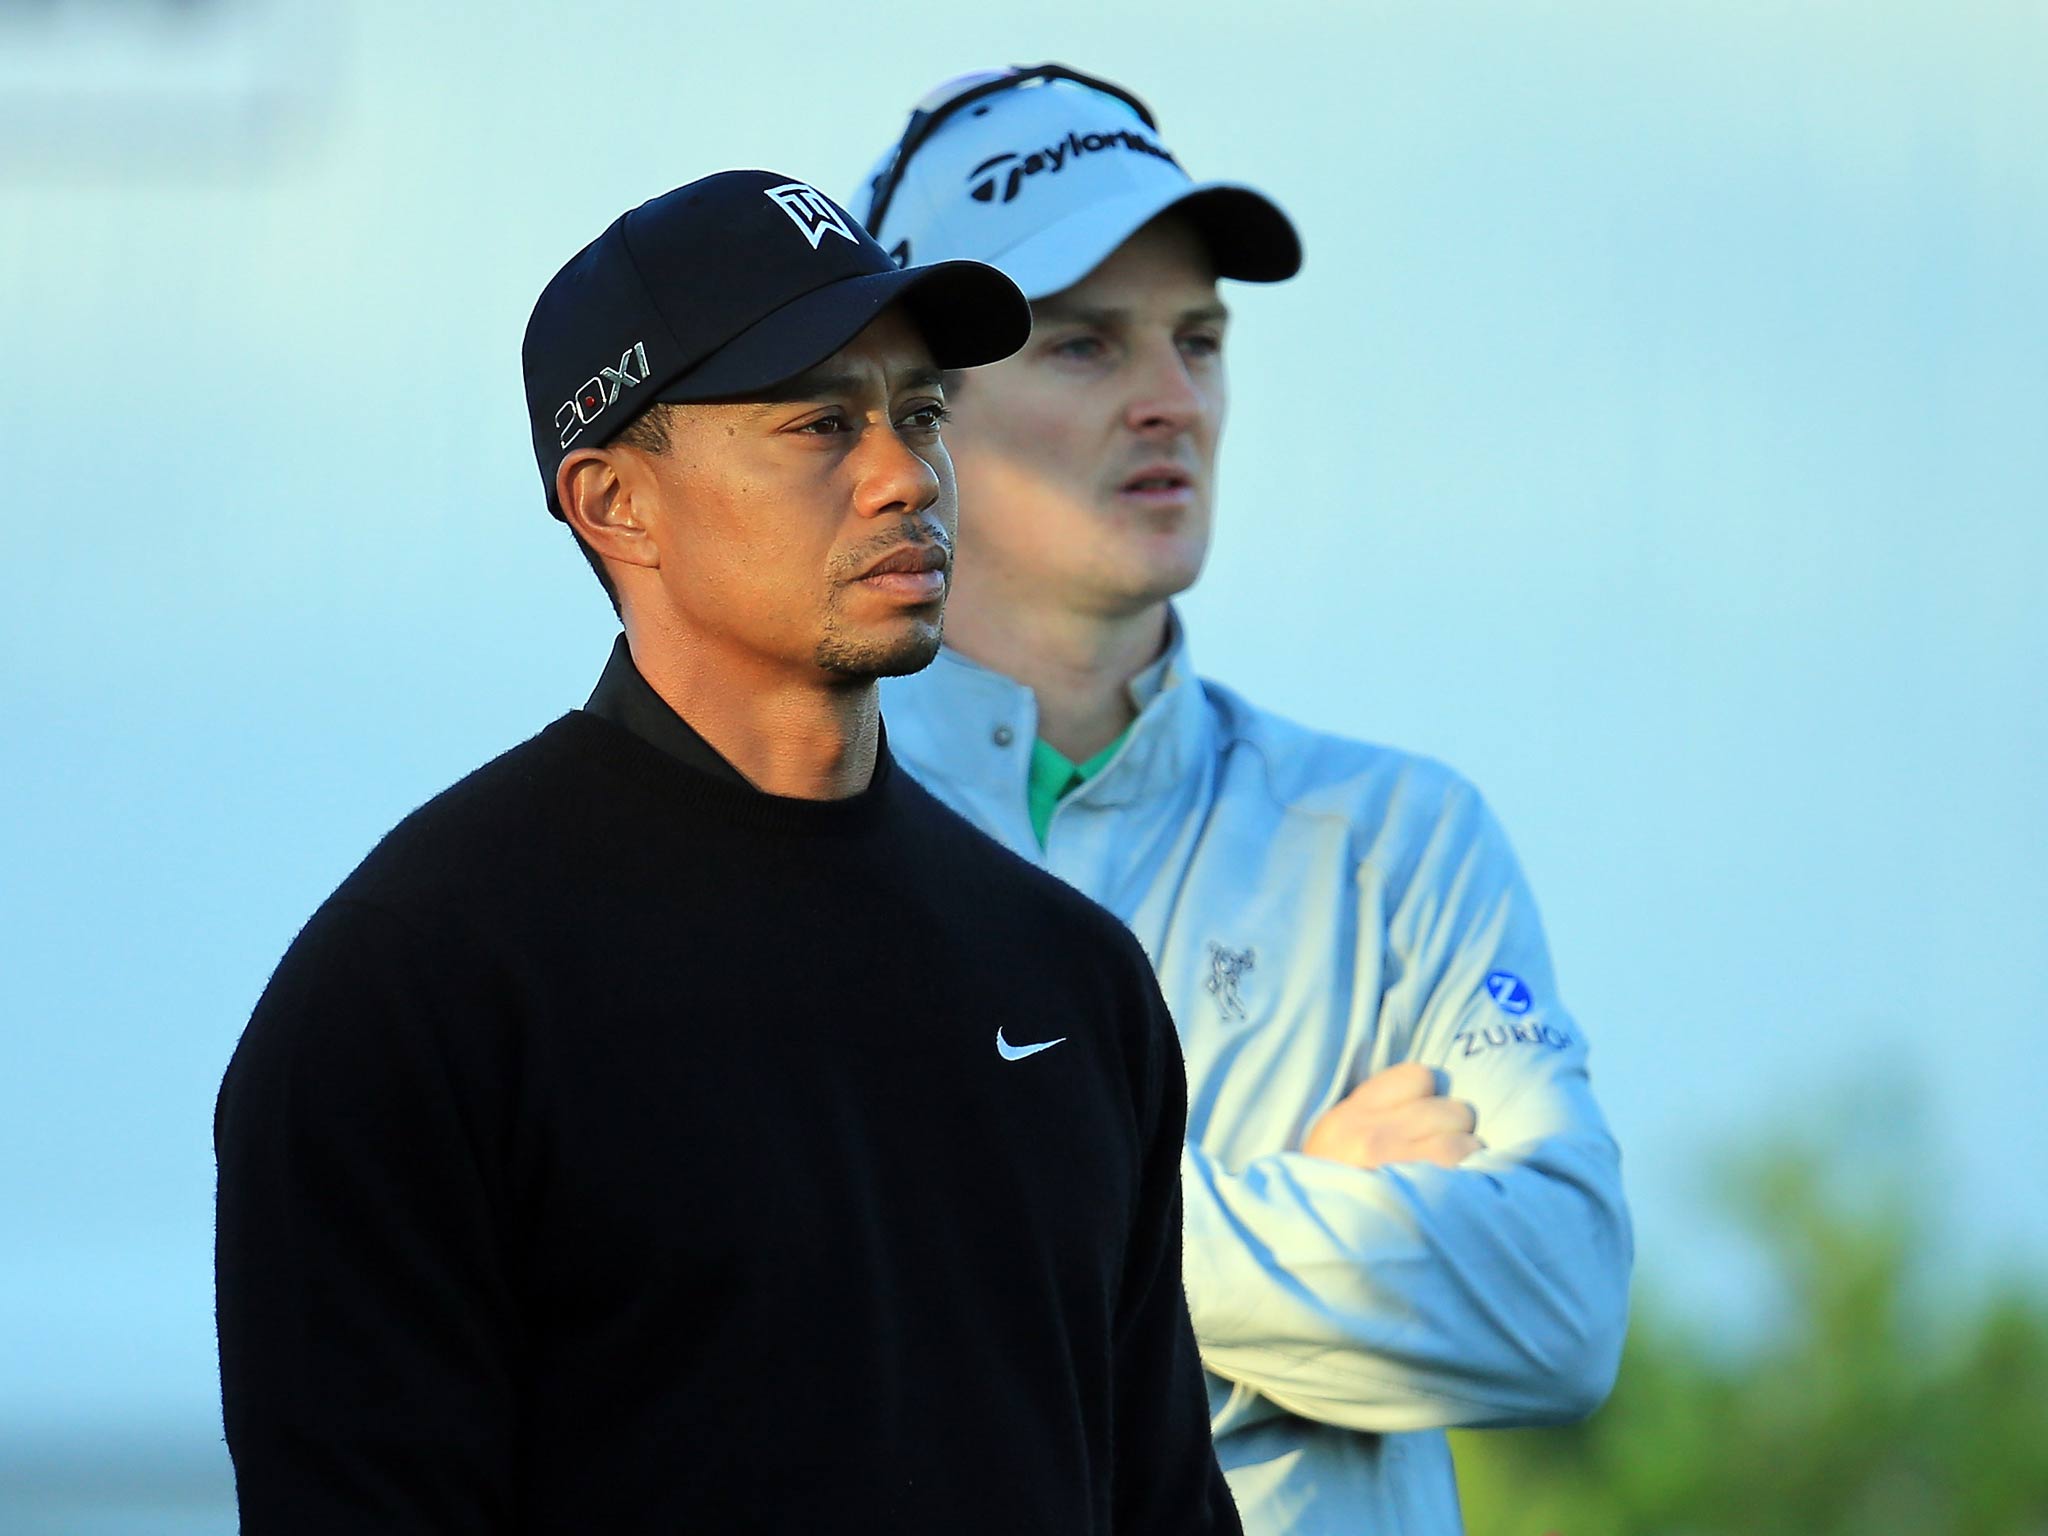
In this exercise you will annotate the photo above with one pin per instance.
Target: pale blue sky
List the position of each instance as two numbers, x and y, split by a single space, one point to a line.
1656 433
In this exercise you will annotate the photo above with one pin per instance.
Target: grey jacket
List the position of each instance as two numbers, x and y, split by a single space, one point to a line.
1318 909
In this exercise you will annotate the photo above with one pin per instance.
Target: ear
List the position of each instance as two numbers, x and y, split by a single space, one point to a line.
602 494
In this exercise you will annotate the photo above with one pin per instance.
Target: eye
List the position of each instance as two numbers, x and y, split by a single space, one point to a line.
1202 344
1079 349
824 426
928 417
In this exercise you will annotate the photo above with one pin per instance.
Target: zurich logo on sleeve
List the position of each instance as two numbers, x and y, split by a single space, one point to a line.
1510 992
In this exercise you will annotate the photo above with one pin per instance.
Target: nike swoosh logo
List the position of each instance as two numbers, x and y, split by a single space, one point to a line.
1011 1052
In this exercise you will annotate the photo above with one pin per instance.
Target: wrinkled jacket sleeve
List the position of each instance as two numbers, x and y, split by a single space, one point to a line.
366 1319
1410 1296
1168 1482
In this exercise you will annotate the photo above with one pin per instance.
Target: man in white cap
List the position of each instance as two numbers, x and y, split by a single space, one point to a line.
1404 1209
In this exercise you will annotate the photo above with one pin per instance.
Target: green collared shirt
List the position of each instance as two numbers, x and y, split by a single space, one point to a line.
1054 776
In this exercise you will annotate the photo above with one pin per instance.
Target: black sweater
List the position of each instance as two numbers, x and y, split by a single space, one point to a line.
622 1150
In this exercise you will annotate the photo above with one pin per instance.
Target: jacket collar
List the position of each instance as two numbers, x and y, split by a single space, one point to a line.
970 728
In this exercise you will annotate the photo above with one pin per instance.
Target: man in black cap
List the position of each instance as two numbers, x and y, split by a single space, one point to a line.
685 1123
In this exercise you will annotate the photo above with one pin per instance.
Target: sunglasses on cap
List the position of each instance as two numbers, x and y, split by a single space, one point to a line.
955 97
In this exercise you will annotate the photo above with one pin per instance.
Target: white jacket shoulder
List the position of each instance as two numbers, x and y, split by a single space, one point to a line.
1395 802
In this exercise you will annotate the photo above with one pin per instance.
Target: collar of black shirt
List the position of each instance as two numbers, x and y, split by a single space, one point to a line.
626 699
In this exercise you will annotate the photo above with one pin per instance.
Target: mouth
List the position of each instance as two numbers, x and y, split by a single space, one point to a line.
1159 485
908 559
913 573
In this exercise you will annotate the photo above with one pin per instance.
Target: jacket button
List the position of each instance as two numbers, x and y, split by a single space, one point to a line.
1002 736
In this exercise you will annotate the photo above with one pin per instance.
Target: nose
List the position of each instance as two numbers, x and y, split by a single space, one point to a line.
894 480
1166 401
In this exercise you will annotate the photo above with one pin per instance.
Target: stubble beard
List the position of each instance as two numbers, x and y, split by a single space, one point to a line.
866 657
907 644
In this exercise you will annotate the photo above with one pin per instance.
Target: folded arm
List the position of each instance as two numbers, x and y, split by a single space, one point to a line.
1411 1295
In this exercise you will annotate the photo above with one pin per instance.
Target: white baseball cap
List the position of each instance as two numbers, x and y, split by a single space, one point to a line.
1043 172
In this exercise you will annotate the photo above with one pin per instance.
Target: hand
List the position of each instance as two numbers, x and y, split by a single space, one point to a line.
1400 1115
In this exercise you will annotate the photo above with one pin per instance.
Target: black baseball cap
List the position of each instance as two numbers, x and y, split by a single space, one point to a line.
730 285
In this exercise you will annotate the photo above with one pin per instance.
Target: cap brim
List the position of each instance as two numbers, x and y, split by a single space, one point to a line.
1248 237
968 312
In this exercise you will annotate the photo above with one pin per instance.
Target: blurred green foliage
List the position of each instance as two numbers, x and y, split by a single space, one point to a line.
1882 1406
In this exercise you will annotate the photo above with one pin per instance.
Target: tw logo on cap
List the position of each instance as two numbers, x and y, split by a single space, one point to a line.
600 390
811 211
